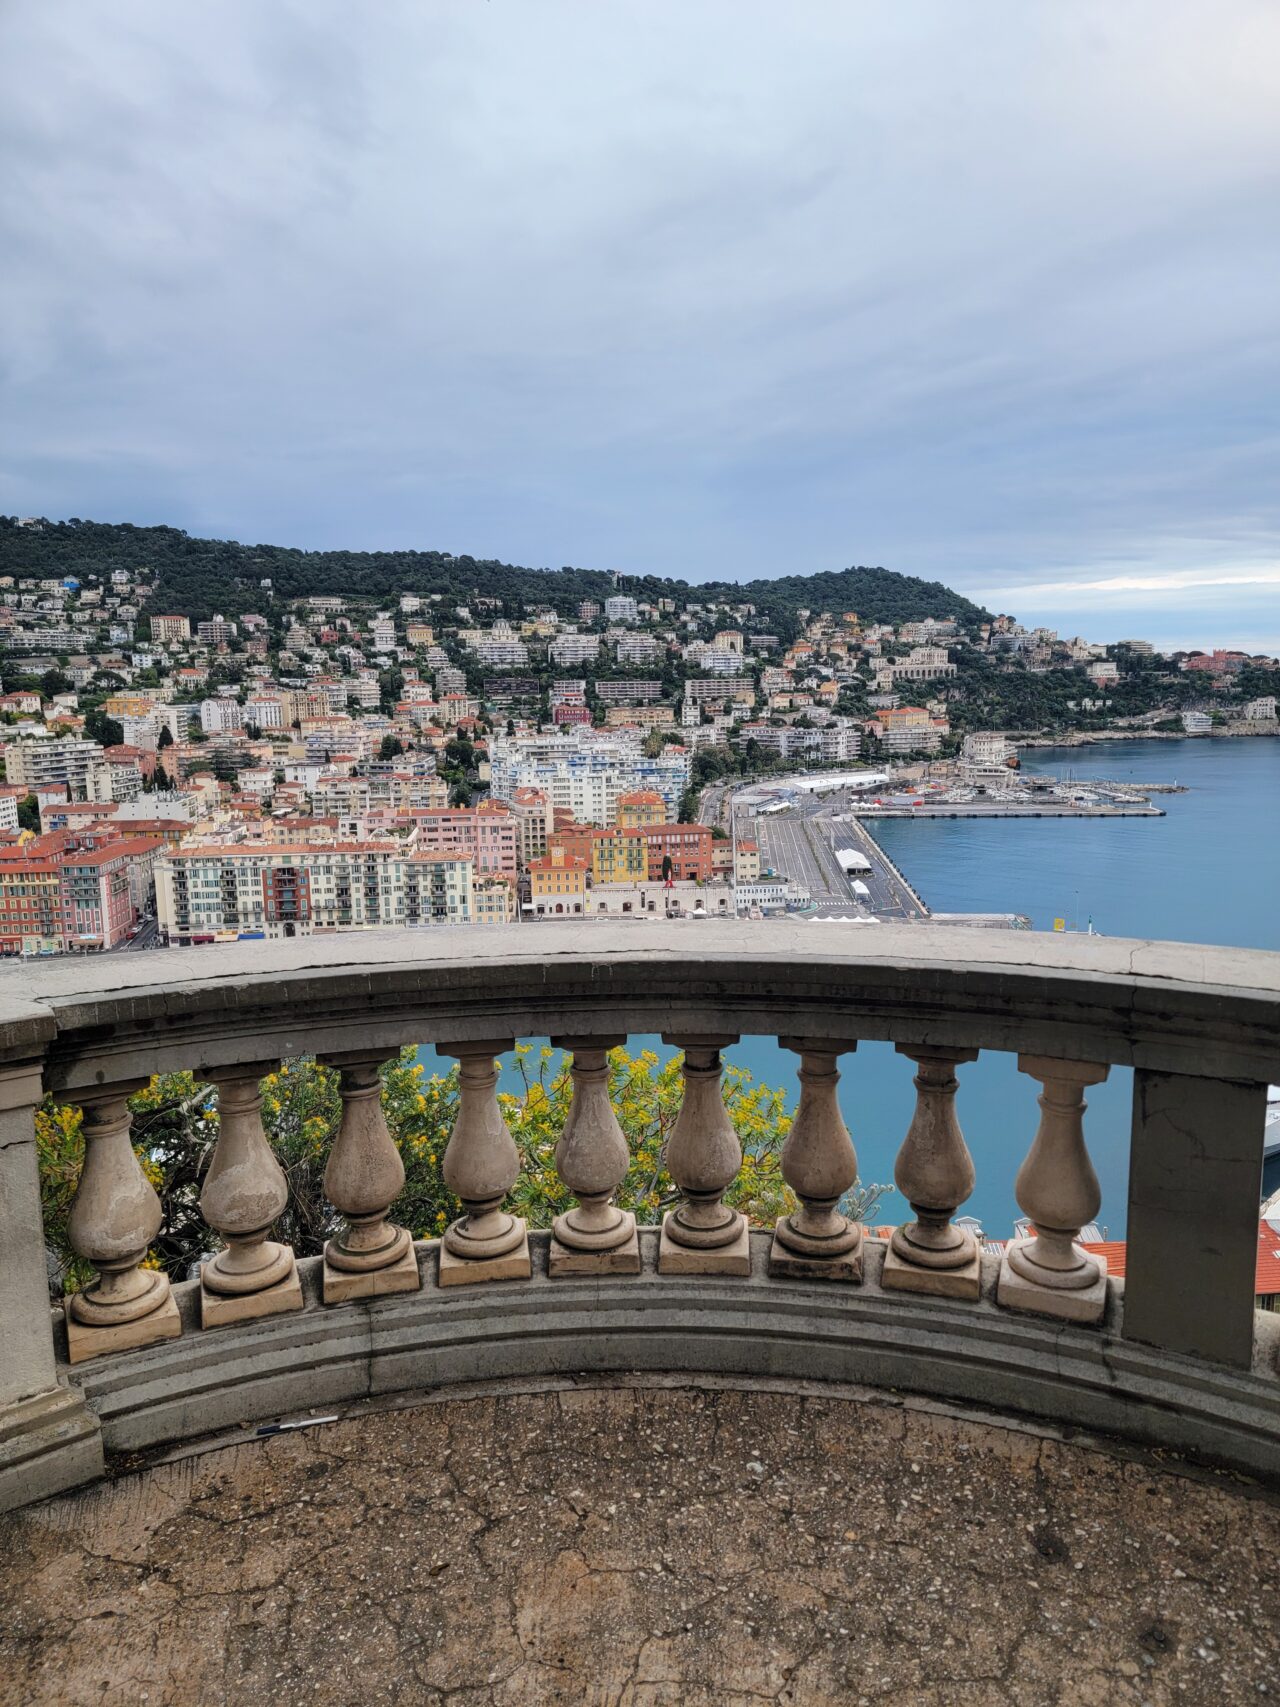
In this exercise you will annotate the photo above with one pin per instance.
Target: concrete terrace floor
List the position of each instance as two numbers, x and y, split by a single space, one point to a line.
634 1544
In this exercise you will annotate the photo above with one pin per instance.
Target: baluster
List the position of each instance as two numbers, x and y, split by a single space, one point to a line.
703 1235
1058 1190
819 1163
592 1158
481 1165
244 1194
364 1176
114 1217
934 1172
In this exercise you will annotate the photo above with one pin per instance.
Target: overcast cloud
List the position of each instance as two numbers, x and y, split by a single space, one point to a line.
985 291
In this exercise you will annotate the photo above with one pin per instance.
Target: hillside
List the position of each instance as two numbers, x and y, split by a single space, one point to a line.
201 576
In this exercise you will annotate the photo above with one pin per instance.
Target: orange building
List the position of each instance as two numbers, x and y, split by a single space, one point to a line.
558 883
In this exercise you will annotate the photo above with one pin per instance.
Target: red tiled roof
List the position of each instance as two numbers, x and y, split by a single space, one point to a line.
1114 1252
1266 1283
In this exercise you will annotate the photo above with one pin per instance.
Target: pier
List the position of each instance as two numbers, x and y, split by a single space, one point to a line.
802 837
1015 809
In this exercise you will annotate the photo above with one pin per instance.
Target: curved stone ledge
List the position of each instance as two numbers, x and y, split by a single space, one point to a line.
1165 1006
758 1327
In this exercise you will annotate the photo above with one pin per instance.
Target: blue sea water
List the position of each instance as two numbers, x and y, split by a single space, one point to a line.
1206 872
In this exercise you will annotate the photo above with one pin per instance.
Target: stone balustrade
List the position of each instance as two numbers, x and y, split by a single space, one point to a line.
1040 1327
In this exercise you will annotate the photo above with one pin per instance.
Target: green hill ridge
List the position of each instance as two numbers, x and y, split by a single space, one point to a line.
199 577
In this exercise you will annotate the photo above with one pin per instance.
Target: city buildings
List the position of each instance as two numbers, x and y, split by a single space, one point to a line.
436 758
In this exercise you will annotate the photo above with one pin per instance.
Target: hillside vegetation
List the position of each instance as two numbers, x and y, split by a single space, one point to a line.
199 577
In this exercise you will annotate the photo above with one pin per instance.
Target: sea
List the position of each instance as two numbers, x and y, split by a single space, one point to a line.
1208 872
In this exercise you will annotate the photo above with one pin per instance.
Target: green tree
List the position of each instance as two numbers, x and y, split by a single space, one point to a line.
106 731
390 747
175 1127
29 814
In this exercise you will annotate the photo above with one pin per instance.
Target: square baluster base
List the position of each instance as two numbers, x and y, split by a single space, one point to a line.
622 1259
84 1341
467 1271
220 1309
790 1265
684 1259
899 1276
339 1285
1088 1304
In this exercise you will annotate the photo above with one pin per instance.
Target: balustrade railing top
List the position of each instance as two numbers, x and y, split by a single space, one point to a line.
1200 1026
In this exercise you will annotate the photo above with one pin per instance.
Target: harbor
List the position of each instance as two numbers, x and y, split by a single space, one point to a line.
813 832
815 840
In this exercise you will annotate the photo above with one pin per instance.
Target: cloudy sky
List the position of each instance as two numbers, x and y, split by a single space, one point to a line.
986 292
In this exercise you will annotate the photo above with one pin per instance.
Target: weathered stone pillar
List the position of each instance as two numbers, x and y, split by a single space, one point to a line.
49 1438
1057 1188
114 1217
481 1164
819 1163
1195 1177
244 1194
703 1236
364 1176
934 1172
592 1158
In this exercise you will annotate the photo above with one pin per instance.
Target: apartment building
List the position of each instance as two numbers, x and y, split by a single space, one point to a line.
636 649
61 892
217 632
170 629
619 856
67 760
566 650
100 896
988 748
215 893
687 846
644 806
487 835
626 692
909 729
583 771
532 813
31 904
221 716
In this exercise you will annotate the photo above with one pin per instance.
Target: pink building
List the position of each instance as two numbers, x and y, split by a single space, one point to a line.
488 836
1217 663
98 898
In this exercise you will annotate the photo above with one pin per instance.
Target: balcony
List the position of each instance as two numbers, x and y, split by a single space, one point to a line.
699 1462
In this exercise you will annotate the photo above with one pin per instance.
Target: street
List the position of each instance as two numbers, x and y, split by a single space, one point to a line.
147 937
802 845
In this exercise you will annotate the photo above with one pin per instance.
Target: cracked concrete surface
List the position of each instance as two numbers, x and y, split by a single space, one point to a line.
637 1545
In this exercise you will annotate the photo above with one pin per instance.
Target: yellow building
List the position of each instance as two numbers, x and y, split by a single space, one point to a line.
637 811
558 883
616 858
129 705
